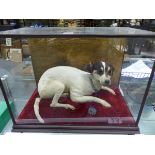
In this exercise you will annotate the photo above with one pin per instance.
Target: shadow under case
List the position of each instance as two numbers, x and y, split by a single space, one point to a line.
77 47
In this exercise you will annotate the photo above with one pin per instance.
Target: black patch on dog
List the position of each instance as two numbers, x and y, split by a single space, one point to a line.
109 69
89 68
98 66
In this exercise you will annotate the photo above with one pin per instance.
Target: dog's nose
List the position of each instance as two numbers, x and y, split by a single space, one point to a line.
107 82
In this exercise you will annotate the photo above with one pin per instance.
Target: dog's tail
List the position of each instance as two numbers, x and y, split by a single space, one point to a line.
36 110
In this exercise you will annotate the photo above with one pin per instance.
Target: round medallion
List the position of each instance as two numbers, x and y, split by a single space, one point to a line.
92 111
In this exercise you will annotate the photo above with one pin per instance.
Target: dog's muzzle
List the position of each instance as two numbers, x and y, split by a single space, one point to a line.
106 83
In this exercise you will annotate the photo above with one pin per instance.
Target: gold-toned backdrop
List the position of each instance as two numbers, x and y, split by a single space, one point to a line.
76 52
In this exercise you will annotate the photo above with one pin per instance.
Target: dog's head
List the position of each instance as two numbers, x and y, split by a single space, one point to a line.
101 72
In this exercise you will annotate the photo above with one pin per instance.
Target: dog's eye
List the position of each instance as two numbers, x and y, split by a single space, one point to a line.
100 72
109 72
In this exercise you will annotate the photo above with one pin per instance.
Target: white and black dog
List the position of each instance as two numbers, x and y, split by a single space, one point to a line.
62 80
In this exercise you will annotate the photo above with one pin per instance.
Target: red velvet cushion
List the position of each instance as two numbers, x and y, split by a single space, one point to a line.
118 114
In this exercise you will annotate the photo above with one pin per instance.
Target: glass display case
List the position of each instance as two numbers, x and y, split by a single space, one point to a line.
80 81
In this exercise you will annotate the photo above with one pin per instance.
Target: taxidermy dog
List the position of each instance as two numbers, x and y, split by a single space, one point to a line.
78 84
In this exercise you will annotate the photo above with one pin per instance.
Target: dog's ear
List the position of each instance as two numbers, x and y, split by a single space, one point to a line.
112 69
89 67
111 66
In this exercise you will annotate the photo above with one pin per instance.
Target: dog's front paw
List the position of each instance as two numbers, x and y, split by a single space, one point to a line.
112 92
106 104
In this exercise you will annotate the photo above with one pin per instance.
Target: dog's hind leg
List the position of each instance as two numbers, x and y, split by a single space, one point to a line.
83 99
59 89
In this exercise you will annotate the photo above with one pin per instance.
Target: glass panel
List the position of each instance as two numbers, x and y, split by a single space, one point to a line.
94 95
16 72
136 69
147 121
149 108
4 115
